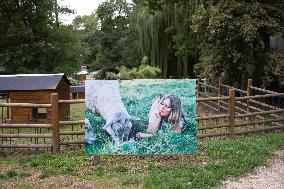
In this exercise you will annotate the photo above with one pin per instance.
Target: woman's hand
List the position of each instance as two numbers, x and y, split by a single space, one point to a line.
141 135
177 128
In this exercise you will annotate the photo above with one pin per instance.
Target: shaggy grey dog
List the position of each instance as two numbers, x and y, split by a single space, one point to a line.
103 98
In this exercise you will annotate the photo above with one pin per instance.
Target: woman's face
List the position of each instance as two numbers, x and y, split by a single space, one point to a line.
165 108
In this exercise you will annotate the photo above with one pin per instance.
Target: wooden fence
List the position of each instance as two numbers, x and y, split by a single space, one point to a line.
222 111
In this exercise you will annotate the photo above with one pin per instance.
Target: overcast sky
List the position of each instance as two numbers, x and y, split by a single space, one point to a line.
82 7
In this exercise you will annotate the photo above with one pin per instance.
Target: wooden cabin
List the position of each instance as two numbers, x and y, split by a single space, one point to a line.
35 88
77 92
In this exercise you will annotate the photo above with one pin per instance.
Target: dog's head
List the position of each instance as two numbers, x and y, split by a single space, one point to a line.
90 136
120 126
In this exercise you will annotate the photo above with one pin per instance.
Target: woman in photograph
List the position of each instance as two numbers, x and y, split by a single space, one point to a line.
165 113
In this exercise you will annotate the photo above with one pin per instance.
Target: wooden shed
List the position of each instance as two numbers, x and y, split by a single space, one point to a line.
35 88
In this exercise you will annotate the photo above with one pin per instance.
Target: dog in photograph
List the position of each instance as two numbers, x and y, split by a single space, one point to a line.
103 98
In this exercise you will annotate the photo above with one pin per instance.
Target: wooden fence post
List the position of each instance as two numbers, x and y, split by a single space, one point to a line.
249 93
197 92
55 123
197 88
231 111
219 92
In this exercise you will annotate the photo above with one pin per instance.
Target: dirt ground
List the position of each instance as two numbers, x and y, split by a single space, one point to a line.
270 176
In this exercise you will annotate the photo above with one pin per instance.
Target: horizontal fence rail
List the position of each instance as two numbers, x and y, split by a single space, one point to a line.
25 105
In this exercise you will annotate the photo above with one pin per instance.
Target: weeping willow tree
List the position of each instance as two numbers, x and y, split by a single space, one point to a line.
166 39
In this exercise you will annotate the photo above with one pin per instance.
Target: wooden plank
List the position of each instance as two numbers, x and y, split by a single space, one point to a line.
27 105
77 122
212 117
197 88
231 111
72 132
219 93
20 125
213 126
55 123
260 113
25 145
211 99
259 96
236 89
263 90
208 86
211 135
25 136
258 122
75 101
208 106
260 130
263 104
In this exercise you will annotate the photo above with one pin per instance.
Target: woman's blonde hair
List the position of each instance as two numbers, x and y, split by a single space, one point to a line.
176 109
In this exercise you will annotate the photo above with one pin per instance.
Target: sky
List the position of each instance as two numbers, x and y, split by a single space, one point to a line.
82 7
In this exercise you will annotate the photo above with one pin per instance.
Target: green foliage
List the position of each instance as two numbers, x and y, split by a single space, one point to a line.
125 73
235 38
112 43
138 98
112 76
32 41
149 72
274 70
143 72
166 38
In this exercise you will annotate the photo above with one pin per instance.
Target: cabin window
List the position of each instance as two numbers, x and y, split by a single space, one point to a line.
39 113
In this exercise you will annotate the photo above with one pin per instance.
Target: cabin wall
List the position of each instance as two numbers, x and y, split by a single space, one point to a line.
63 90
23 115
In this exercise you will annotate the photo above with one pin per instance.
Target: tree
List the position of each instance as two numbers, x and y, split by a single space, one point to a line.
165 36
114 40
86 28
33 41
235 38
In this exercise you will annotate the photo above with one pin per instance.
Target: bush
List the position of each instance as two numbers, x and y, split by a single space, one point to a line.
149 72
144 71
127 74
112 76
274 70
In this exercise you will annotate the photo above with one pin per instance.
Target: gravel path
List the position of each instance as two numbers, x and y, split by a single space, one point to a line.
266 177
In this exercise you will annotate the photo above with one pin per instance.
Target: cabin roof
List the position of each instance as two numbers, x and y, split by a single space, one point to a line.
77 89
30 82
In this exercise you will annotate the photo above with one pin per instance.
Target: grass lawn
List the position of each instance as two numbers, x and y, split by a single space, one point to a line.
215 161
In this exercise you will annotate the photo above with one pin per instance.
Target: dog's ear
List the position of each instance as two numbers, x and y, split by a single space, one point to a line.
133 118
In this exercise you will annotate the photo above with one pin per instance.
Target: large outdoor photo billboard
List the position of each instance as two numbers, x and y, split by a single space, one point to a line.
140 117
